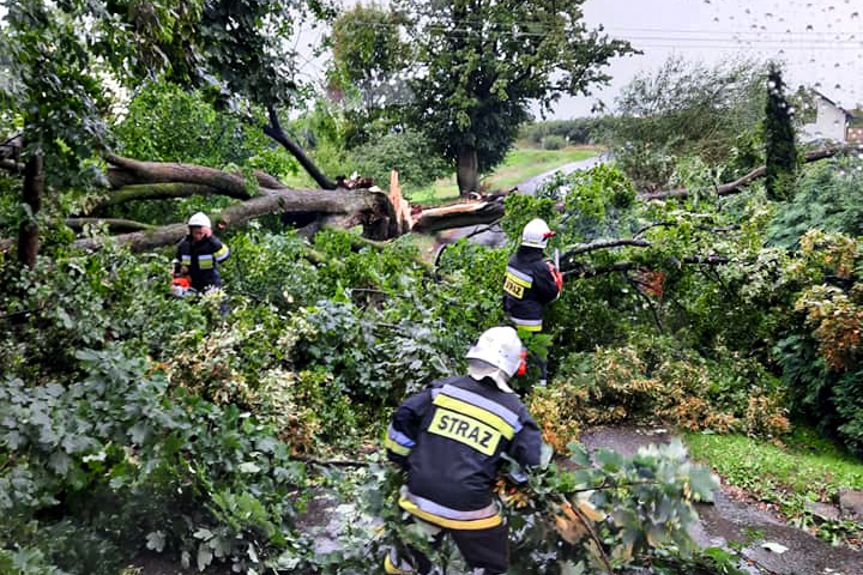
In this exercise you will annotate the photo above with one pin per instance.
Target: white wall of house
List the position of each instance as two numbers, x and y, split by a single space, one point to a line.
830 123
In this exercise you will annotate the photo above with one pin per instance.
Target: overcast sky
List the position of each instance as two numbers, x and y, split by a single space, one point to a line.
820 41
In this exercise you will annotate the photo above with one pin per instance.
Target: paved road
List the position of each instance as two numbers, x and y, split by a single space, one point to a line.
495 236
731 520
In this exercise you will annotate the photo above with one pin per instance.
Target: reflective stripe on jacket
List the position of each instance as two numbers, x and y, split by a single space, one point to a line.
451 438
201 259
527 287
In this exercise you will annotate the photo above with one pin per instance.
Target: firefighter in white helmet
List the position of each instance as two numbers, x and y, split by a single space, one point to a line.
198 255
531 282
450 439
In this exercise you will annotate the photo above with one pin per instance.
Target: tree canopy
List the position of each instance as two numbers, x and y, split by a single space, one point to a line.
480 63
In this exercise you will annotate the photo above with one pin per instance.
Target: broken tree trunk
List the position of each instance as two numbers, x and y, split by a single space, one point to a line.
372 210
382 215
458 215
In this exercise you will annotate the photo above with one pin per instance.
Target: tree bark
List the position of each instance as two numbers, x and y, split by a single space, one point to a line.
34 187
457 216
128 172
114 224
274 131
467 170
372 210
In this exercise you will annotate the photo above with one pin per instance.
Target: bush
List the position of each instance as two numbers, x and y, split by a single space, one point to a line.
829 198
553 143
653 380
576 131
409 152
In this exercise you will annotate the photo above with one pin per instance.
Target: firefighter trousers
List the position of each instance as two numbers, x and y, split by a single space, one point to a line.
485 549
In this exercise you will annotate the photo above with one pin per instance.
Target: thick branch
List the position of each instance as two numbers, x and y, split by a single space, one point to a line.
164 191
136 172
34 189
603 245
737 185
274 131
12 166
372 210
114 224
457 216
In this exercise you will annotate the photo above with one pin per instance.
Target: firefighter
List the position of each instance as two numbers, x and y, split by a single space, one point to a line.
450 439
199 254
531 282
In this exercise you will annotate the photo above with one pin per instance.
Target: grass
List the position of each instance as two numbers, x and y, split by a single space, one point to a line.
522 163
519 165
804 468
805 465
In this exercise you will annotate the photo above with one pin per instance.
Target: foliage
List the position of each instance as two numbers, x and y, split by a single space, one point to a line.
655 380
369 56
408 152
575 131
118 454
685 108
829 198
473 81
50 89
780 149
821 358
553 143
163 123
639 507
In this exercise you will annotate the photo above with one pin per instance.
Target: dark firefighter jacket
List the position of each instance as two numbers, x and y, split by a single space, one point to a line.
450 438
201 259
527 287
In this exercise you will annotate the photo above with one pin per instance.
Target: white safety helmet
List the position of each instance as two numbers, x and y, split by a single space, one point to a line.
200 219
499 351
536 234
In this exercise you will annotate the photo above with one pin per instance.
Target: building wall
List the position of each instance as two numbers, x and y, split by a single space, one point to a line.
830 124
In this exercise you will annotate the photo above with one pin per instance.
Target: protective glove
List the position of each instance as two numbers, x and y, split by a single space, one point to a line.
557 276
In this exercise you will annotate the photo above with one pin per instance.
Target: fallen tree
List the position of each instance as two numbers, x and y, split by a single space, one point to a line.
381 215
740 184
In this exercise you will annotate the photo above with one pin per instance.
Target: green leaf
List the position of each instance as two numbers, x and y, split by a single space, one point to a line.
156 541
205 556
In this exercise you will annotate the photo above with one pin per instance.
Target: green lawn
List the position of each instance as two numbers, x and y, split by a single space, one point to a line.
804 468
520 164
805 464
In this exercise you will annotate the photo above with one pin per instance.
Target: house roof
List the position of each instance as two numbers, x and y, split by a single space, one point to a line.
848 115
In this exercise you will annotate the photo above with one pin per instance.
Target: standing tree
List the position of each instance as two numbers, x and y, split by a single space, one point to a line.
369 56
51 94
780 149
480 63
60 60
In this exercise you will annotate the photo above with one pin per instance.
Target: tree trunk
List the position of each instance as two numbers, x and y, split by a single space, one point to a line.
467 170
34 187
346 209
458 216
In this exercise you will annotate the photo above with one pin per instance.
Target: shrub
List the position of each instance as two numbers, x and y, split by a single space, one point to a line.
553 142
409 152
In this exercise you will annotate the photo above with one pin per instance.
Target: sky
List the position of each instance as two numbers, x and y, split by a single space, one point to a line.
819 41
